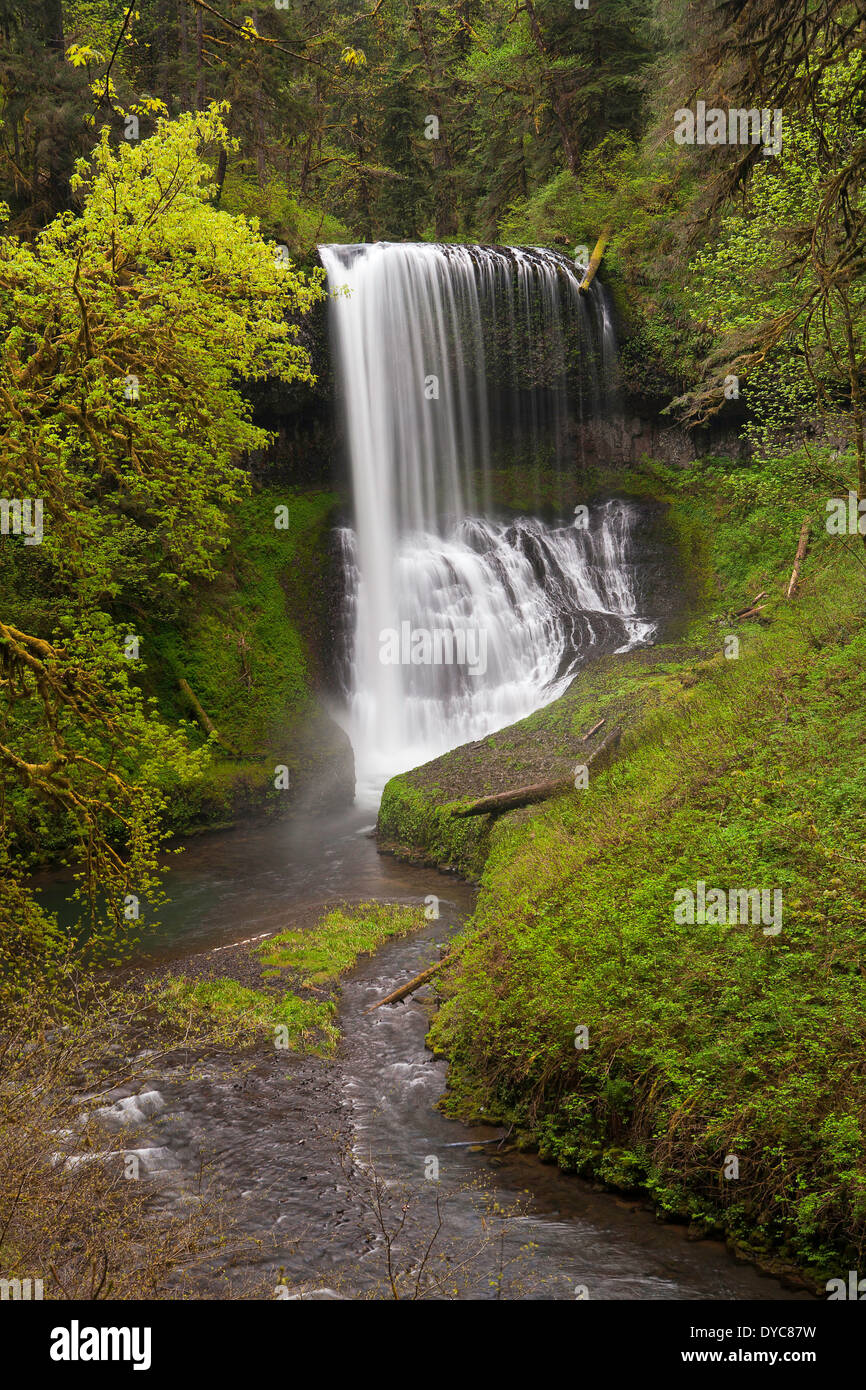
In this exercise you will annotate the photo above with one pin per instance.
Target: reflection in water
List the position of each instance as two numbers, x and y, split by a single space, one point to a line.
230 885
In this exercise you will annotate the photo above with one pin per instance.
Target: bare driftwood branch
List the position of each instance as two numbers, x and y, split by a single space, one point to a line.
802 547
418 980
751 605
415 983
594 730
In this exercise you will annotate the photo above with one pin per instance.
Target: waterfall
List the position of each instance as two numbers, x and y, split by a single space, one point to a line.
449 360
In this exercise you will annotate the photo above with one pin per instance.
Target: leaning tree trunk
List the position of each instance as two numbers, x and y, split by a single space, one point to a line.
557 101
443 158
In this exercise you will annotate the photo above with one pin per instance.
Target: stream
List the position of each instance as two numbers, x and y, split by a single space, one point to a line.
302 1148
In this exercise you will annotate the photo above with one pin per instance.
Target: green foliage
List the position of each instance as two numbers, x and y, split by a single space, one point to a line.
329 107
410 818
127 329
317 955
243 650
705 1040
235 1015
76 731
295 223
775 288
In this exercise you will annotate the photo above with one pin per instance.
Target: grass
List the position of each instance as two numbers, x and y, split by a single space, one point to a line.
233 1013
319 955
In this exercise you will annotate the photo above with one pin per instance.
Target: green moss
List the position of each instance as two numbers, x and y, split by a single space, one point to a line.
235 1014
415 817
248 645
414 824
239 643
318 955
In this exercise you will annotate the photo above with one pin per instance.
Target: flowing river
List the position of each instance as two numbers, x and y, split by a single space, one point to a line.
272 1128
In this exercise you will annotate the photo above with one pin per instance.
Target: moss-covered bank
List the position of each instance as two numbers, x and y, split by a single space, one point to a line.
719 1067
249 646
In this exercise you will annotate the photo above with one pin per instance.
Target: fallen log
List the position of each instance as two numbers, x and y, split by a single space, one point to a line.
750 612
418 980
750 606
409 988
595 259
802 547
204 718
500 802
511 800
607 745
594 730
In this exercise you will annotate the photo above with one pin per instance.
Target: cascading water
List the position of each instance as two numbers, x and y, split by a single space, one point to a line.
450 358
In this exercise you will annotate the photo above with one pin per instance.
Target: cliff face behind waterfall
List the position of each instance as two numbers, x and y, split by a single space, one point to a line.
309 427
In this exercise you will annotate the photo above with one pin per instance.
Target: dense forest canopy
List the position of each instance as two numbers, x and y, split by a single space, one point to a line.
485 122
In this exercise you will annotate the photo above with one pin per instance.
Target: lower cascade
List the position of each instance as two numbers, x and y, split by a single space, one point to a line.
449 360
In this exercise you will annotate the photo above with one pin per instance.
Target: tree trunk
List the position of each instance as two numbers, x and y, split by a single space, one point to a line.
183 34
857 408
204 718
199 46
500 802
220 178
55 38
556 98
411 985
802 546
443 159
595 259
418 980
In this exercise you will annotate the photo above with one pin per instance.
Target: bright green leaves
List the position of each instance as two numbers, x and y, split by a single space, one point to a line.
127 331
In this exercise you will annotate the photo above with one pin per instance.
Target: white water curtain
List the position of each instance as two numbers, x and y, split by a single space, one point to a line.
520 603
